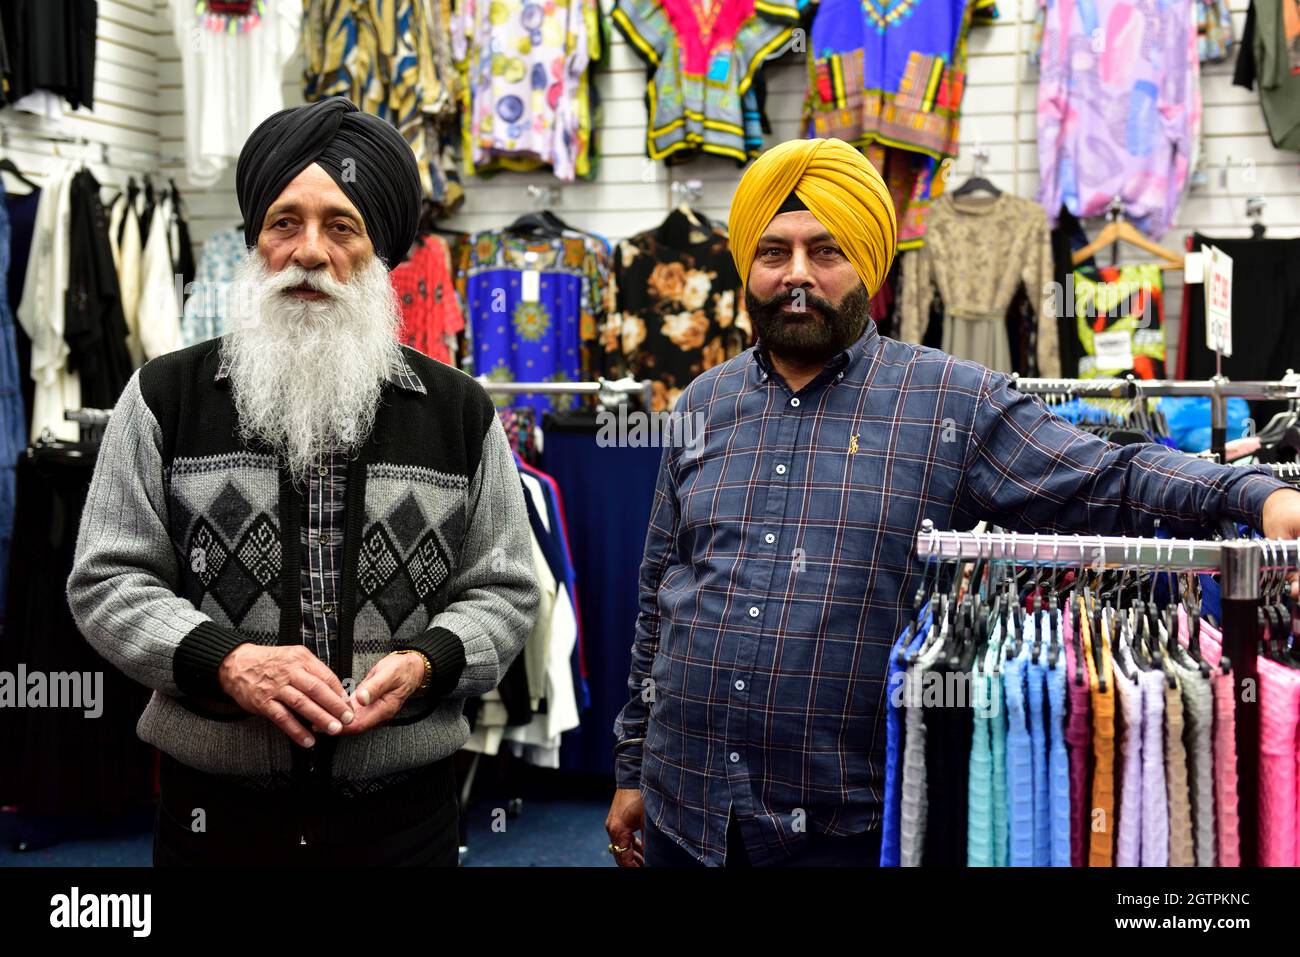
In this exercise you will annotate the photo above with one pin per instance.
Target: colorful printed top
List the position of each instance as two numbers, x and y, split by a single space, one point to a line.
704 56
527 329
675 307
385 58
205 308
1119 108
427 293
1121 311
891 73
524 66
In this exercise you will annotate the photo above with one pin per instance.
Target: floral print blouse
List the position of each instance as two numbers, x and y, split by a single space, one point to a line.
675 307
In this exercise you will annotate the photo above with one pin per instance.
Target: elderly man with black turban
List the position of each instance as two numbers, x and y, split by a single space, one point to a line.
779 566
310 541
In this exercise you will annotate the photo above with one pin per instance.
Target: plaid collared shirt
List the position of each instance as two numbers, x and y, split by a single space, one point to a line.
779 568
321 537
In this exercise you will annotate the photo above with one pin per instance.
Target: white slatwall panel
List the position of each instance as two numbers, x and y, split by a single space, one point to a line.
125 116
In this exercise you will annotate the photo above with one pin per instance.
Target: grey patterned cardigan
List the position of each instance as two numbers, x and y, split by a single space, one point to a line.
183 554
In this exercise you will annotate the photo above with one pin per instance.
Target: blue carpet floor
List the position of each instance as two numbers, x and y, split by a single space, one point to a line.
560 824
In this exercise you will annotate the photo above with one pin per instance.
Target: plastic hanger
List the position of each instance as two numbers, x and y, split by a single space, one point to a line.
7 165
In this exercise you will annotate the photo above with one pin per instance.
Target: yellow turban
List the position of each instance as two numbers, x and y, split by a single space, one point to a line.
838 185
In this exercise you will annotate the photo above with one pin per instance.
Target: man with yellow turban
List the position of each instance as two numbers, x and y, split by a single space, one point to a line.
779 567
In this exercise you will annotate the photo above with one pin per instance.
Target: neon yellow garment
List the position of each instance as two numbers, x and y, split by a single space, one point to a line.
838 185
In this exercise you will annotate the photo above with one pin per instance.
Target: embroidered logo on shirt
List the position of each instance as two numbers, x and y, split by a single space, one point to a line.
853 444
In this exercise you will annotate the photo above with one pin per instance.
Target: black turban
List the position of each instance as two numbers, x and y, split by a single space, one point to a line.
371 162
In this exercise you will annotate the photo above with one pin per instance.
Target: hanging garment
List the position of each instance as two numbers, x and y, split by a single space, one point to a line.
1119 108
980 801
1265 301
893 74
1102 815
1198 719
128 254
61 760
13 417
1227 818
22 210
1036 686
914 798
42 312
1279 715
1265 57
95 331
702 59
998 749
51 52
1058 762
426 291
908 643
1155 795
978 252
1020 764
207 307
608 494
1120 321
1214 33
391 60
1077 738
1128 813
676 307
523 67
536 334
231 81
159 313
948 729
1181 853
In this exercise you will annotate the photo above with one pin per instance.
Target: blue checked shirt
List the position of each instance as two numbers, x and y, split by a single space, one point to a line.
779 567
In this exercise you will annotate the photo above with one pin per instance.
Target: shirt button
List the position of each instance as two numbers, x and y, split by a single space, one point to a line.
795 403
769 538
324 539
734 757
780 470
328 608
322 471
753 612
740 686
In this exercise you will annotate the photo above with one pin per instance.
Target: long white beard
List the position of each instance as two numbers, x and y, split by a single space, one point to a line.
306 374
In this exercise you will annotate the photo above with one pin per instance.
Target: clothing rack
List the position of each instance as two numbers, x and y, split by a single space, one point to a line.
611 392
1218 390
1238 563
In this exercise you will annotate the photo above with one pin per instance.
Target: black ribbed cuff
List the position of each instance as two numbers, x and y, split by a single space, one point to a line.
446 654
198 659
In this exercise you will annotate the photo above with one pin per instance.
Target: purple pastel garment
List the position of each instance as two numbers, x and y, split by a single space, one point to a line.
1155 804
1119 108
1128 834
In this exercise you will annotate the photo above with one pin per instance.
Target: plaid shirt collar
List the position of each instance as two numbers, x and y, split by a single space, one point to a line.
837 366
401 374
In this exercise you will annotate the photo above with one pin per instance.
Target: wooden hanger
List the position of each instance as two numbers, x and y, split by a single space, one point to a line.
1121 230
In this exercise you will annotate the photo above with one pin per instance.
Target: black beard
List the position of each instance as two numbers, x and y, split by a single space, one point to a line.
816 338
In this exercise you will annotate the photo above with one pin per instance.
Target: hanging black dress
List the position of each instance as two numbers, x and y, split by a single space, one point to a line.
57 761
94 326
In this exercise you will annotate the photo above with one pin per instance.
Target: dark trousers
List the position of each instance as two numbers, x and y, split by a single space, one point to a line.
207 820
860 850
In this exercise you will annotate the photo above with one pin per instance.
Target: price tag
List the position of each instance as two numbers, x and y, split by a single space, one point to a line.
1193 269
1218 301
530 285
1114 350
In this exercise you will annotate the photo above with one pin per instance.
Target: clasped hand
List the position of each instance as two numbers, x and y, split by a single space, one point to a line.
292 688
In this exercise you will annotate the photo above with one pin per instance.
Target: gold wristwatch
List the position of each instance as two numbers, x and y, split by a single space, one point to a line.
428 667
